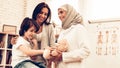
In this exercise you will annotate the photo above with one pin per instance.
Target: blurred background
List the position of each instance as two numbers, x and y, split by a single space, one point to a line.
100 17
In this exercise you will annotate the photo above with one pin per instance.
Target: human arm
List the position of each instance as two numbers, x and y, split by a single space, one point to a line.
35 44
76 55
30 52
56 53
12 41
48 52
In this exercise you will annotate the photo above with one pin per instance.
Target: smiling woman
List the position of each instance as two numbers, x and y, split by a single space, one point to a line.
76 37
45 36
54 4
62 13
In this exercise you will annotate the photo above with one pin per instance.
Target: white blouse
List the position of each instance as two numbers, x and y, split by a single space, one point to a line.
78 49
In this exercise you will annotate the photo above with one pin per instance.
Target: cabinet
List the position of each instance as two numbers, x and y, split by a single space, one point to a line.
5 49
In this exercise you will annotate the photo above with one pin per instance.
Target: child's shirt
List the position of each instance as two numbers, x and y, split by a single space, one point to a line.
17 55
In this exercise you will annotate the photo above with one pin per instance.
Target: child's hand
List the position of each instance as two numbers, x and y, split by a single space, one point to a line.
35 44
46 54
13 40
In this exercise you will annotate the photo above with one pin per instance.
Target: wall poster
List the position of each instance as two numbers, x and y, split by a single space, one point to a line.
105 44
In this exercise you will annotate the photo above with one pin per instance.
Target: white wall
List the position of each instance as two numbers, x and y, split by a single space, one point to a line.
31 4
101 9
11 12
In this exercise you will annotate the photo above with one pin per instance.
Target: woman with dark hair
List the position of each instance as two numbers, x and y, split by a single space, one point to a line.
42 9
24 47
45 36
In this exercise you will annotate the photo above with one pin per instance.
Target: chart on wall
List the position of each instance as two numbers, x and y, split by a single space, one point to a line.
107 36
105 44
107 39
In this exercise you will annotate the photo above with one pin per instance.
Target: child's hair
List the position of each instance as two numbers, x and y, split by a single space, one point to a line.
26 24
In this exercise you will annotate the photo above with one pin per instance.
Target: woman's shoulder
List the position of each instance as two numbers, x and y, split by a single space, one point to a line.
78 26
49 26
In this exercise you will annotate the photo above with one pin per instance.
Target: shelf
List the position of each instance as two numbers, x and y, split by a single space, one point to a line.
5 49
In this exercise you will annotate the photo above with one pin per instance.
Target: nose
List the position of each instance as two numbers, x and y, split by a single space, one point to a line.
42 15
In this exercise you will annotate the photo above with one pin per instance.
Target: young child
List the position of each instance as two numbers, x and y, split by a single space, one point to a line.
25 46
51 54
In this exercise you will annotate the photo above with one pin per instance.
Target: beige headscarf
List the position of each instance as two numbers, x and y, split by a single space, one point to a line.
72 16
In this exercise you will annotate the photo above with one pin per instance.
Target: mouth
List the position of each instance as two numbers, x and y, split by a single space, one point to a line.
61 19
40 19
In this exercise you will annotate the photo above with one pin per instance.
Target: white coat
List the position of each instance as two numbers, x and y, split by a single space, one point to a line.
78 49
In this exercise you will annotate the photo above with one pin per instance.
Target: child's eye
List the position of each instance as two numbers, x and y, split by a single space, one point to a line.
33 30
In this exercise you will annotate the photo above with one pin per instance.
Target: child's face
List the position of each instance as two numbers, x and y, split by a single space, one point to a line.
30 32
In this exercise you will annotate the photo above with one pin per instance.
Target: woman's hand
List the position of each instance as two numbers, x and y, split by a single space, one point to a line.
35 44
54 53
13 40
58 57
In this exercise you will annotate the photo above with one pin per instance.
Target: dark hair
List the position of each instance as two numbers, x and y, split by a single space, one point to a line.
26 24
38 9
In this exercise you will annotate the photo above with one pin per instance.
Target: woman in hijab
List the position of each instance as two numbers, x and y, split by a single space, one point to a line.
76 35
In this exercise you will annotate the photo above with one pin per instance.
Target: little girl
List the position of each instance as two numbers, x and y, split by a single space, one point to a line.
25 46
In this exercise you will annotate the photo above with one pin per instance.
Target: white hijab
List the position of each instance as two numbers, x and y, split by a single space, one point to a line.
72 16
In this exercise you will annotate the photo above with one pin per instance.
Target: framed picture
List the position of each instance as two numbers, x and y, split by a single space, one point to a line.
11 29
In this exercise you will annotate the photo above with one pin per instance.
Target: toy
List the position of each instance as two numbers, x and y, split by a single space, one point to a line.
50 53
